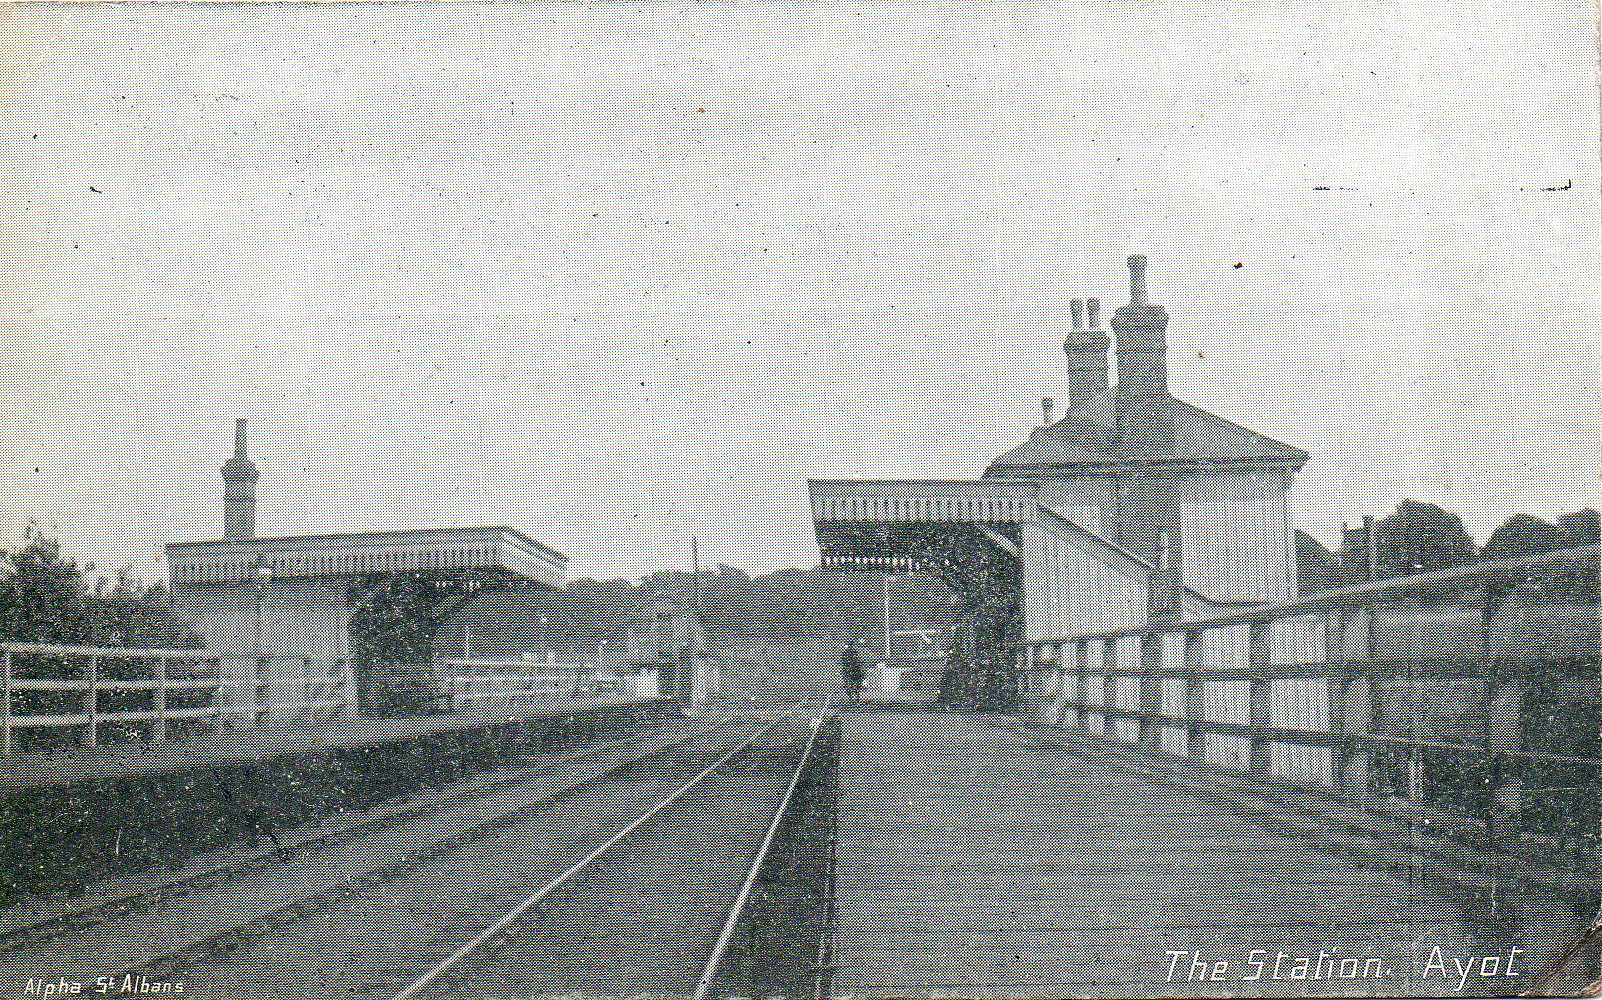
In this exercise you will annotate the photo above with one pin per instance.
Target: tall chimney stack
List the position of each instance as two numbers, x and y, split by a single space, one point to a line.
239 490
1087 354
1141 332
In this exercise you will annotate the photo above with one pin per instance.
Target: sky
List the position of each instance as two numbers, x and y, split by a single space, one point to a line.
619 274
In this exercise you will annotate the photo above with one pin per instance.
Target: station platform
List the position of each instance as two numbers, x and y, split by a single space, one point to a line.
20 771
988 856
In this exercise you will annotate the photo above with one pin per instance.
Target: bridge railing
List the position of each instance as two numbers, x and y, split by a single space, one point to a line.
1473 690
134 695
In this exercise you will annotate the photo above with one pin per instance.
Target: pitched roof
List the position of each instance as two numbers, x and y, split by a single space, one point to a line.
1317 568
1087 436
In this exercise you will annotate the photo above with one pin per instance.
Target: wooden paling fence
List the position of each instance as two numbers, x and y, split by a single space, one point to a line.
143 694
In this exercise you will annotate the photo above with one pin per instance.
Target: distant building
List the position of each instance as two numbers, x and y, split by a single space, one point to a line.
1132 475
667 636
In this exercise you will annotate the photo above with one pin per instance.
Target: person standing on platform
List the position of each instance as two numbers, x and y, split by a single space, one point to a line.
851 671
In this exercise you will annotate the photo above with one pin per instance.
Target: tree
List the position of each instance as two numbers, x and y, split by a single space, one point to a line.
41 595
131 614
1522 535
1583 527
1420 537
45 598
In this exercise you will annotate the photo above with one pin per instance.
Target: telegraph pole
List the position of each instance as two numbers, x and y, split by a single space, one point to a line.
695 571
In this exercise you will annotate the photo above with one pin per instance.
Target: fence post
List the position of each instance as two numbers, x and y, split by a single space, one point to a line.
1076 686
1336 683
1356 708
1081 656
5 713
1196 665
93 699
347 682
1355 637
1151 686
161 699
1503 734
1357 700
236 699
261 689
217 698
1258 653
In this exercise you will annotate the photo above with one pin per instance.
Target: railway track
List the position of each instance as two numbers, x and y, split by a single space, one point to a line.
549 942
381 928
549 774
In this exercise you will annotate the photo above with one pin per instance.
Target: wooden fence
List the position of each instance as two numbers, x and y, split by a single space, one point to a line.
481 683
1474 690
142 694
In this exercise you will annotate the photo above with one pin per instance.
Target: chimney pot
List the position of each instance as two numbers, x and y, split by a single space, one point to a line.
1087 357
1048 408
1093 310
1137 280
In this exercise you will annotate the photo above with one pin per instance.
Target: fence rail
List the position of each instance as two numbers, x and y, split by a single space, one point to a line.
90 687
1474 690
477 683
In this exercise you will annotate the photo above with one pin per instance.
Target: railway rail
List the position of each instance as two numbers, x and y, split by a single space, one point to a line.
34 921
223 926
39 920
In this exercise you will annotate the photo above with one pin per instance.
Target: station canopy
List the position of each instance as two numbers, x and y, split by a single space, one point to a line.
879 524
499 551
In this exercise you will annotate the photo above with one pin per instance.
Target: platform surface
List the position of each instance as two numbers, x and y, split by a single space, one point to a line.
986 856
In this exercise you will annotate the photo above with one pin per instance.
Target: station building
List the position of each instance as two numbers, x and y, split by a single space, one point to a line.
1133 506
279 610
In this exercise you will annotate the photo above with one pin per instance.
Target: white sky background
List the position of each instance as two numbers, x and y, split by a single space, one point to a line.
486 263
